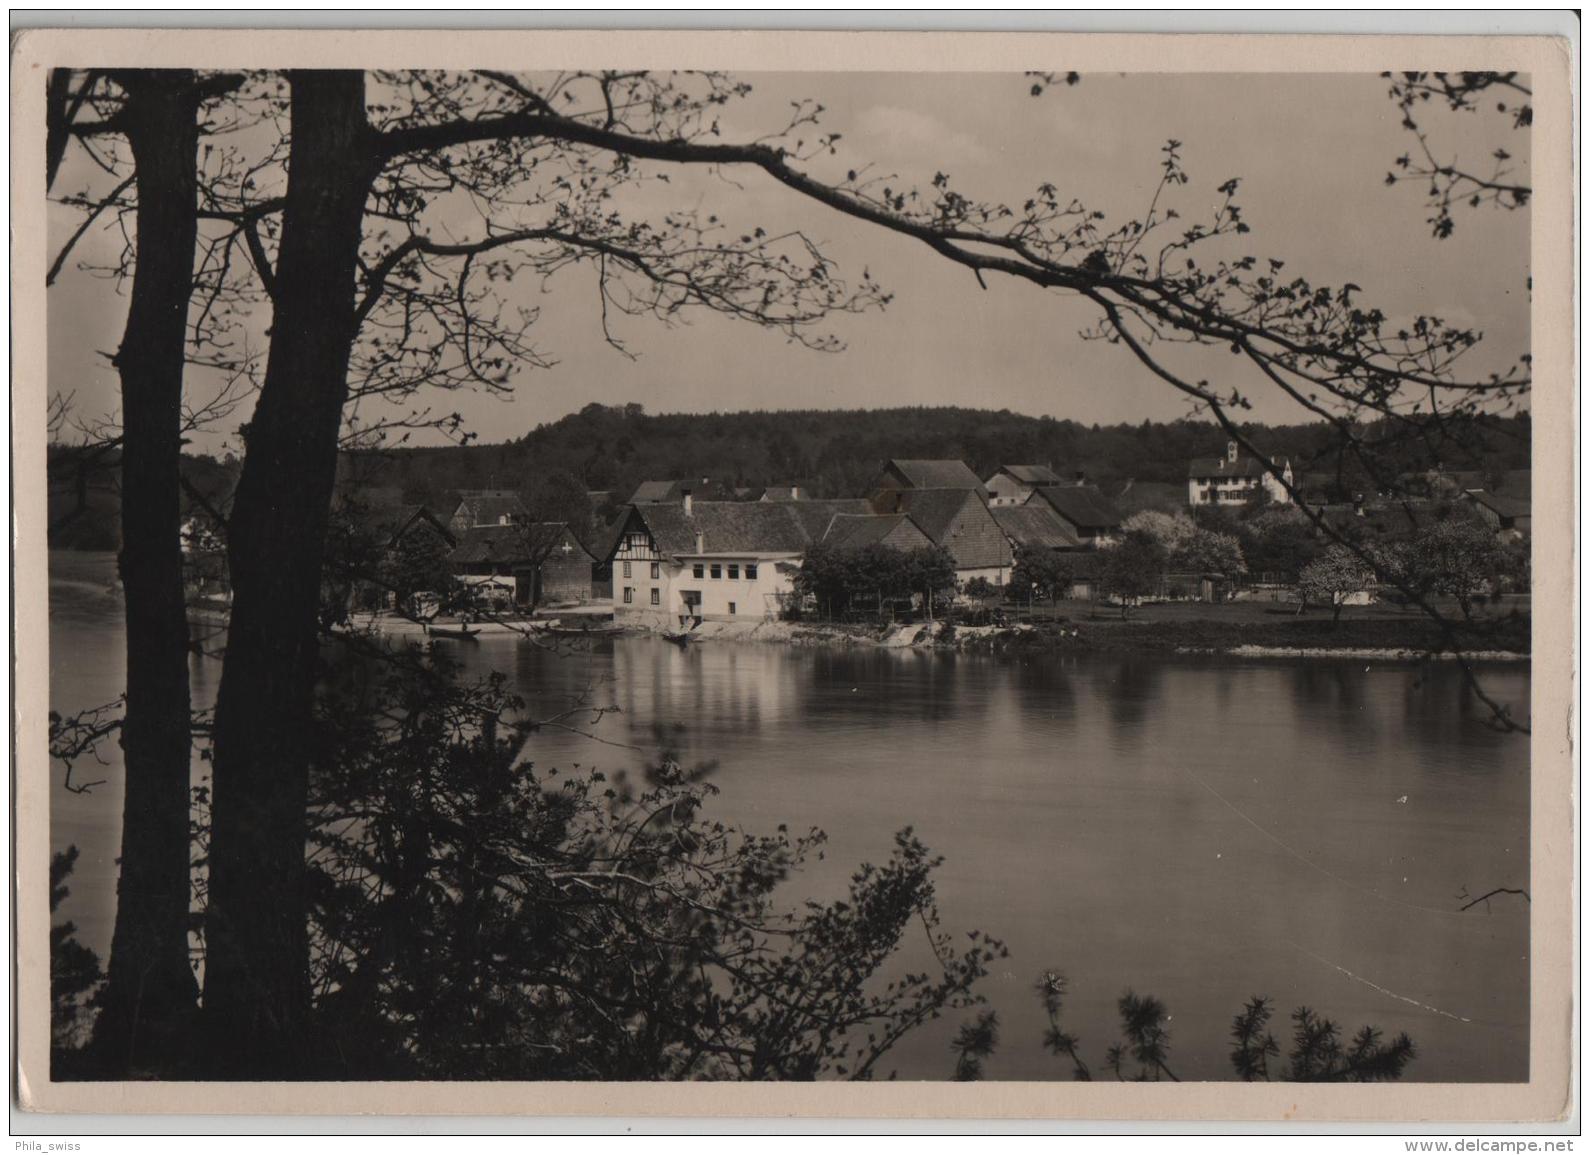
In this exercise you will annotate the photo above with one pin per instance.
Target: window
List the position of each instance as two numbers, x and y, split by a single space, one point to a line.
700 571
717 571
629 595
731 607
734 573
656 596
750 572
627 572
656 570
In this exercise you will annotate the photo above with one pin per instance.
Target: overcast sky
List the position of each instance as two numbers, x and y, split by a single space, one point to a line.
1312 152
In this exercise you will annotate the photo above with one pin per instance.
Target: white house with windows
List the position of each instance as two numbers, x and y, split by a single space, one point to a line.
1236 479
678 562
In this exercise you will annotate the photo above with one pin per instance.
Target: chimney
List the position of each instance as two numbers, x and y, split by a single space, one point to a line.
701 542
689 504
1231 452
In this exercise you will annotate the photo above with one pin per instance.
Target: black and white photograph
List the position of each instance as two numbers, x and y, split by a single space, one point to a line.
942 574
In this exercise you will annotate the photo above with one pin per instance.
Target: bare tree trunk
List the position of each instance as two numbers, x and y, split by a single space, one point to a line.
256 992
150 994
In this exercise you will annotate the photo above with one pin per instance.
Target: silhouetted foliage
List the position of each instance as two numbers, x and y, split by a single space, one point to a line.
477 917
1456 181
1318 1053
75 975
973 1044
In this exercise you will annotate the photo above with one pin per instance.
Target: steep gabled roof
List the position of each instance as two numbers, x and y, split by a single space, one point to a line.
384 523
925 474
1501 504
648 491
496 544
723 527
604 538
814 516
1031 474
933 510
1035 526
654 491
396 520
510 544
956 519
1084 506
1220 467
855 530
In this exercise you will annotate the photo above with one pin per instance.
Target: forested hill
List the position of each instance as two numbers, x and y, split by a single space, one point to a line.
838 452
834 453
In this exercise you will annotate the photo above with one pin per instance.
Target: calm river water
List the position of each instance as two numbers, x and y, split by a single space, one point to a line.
1200 829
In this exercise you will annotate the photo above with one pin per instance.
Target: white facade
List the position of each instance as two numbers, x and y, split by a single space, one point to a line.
713 587
1235 480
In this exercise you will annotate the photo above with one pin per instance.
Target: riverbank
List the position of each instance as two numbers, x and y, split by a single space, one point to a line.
1239 631
1243 631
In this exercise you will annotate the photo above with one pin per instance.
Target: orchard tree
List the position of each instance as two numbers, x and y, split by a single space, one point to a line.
1457 557
1044 573
1132 570
1206 551
1170 530
1331 578
1280 540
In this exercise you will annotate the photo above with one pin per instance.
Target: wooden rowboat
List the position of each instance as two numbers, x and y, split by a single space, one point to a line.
464 634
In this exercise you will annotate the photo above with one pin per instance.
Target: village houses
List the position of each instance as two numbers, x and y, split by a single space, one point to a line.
1014 484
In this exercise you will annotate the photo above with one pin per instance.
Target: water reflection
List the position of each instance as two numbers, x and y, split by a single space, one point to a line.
1200 829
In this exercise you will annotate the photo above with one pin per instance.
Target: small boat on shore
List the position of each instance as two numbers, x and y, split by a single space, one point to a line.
679 639
462 634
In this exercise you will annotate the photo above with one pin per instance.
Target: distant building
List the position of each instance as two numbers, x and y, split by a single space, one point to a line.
1086 512
704 489
900 473
1507 513
525 564
487 507
388 533
687 560
1013 484
393 523
1236 479
1036 526
857 530
783 493
961 522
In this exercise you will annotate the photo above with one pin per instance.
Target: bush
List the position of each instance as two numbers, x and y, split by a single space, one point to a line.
477 918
